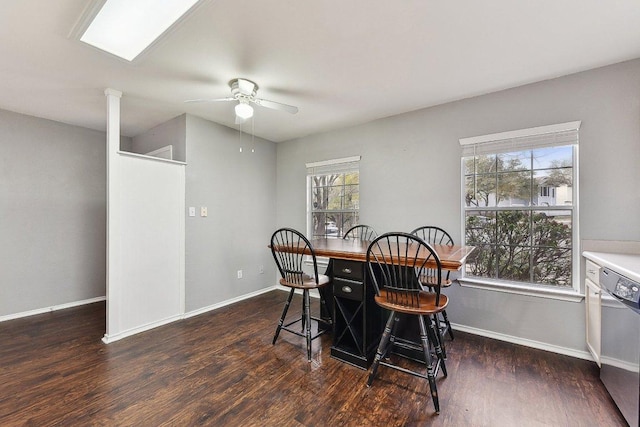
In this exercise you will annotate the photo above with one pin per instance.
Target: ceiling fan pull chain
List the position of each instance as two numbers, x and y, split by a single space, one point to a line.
253 133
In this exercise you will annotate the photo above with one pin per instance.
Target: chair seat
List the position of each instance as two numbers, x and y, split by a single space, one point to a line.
427 303
428 280
308 282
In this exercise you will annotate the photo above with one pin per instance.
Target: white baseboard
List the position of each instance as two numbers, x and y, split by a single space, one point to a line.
108 339
229 301
313 293
50 309
525 342
475 331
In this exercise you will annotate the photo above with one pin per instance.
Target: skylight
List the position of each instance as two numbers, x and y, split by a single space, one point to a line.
127 27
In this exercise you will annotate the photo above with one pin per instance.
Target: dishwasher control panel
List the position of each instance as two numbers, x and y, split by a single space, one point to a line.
627 289
621 287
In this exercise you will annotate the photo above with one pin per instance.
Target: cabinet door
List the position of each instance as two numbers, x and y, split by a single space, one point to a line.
593 302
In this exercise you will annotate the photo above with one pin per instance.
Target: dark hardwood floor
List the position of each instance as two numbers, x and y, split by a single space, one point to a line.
220 369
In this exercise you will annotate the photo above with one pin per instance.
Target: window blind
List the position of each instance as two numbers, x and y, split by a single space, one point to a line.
326 167
539 137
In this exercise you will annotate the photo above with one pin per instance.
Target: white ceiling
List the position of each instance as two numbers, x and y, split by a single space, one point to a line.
342 62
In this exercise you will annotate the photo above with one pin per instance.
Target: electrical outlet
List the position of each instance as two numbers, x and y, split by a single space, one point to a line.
239 274
203 211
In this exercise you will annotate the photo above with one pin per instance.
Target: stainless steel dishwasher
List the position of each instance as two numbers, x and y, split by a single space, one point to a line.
620 351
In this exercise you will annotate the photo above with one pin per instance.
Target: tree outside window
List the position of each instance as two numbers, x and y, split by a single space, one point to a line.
335 200
519 214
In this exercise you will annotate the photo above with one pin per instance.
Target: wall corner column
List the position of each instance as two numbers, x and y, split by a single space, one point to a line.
113 206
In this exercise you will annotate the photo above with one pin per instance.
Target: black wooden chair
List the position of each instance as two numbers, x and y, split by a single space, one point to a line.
436 236
361 232
291 250
394 262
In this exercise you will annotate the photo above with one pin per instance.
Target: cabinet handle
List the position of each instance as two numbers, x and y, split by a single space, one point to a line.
347 289
592 271
346 270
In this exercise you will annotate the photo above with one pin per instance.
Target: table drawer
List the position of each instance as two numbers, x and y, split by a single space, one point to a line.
348 289
593 272
352 270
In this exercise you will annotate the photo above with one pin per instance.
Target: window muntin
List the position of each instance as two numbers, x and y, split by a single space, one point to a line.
334 197
519 213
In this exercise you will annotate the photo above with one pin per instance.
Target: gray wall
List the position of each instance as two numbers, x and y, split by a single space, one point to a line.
410 176
52 213
53 210
239 190
52 195
172 132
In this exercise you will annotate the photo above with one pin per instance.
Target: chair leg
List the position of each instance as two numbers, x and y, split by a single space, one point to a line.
382 347
440 335
284 314
307 318
324 307
424 336
304 319
434 334
446 322
392 339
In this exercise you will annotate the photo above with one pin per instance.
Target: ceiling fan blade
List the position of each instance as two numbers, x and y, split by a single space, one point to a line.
276 105
210 100
246 87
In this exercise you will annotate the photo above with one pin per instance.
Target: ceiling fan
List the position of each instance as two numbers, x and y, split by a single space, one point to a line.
244 91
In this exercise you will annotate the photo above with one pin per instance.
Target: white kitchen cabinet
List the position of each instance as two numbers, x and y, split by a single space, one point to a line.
593 301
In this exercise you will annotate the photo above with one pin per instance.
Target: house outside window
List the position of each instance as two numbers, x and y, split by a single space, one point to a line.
520 208
333 204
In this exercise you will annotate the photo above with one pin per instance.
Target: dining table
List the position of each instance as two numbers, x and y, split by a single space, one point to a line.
350 310
452 257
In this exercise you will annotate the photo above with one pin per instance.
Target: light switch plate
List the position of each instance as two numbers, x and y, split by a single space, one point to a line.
203 211
192 211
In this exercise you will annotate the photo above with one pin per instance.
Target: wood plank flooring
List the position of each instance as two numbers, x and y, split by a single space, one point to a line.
220 369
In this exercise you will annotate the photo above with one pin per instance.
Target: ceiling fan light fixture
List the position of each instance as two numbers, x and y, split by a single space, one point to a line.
244 92
244 110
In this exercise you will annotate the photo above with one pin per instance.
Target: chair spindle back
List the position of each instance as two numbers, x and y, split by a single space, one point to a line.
360 232
434 236
292 262
395 261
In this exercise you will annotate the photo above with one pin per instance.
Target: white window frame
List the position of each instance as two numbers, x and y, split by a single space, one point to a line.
519 140
342 165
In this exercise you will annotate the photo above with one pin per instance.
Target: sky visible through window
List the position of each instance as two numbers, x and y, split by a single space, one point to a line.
519 215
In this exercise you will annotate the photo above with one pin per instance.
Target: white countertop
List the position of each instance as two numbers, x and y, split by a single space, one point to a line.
627 265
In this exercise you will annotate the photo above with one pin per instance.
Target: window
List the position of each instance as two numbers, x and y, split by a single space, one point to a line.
333 196
546 191
520 207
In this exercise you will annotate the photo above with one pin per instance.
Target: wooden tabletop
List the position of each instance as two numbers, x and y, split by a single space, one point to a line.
451 257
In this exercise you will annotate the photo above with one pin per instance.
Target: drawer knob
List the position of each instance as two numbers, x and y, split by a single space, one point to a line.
347 289
346 270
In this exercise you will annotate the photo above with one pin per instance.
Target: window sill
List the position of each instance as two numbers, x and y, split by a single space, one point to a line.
570 295
322 261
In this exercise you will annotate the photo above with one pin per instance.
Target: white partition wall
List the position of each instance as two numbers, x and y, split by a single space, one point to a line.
145 234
